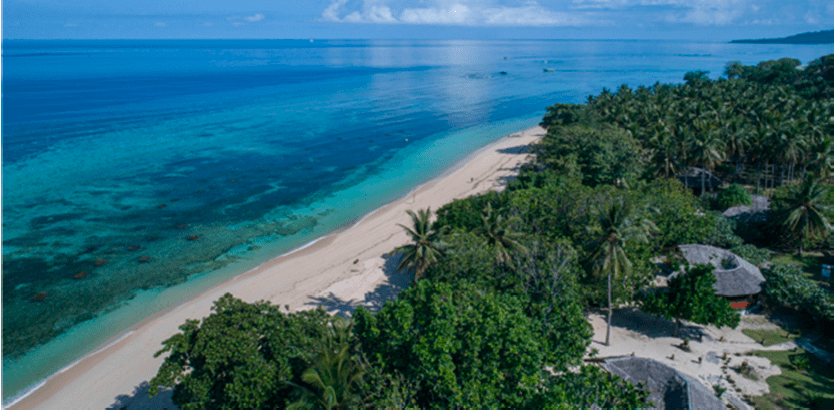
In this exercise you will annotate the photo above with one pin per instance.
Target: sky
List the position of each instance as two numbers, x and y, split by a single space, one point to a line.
710 20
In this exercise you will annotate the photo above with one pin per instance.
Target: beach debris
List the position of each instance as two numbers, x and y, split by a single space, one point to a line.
405 139
39 296
356 261
100 263
672 356
504 73
233 180
134 247
192 237
370 141
80 275
144 259
287 307
546 70
161 206
182 226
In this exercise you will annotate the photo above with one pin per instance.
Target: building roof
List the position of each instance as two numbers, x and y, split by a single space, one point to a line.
692 177
734 275
668 388
759 204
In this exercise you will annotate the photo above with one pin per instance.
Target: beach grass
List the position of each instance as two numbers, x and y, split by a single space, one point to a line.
798 386
771 337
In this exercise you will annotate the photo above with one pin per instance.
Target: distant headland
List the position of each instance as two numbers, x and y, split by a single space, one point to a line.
817 37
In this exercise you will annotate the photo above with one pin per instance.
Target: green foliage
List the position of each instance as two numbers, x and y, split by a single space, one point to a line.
464 214
562 114
677 216
721 232
732 196
335 378
543 275
601 155
426 244
752 254
785 285
805 210
589 388
690 296
462 346
499 233
242 356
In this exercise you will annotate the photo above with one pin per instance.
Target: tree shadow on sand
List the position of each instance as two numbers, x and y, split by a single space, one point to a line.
637 321
139 400
374 300
523 149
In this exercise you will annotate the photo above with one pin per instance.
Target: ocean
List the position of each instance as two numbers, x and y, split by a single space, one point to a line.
136 174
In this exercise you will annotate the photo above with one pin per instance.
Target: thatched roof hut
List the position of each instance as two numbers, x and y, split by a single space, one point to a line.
668 388
759 204
735 277
692 178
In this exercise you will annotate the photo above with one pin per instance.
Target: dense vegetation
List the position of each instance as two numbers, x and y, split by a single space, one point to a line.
494 318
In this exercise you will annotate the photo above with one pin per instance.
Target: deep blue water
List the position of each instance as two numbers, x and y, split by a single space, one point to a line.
133 168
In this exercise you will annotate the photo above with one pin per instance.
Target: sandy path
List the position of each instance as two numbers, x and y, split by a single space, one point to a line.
715 353
324 272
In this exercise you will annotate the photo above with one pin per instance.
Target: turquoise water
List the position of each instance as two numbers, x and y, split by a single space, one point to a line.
138 173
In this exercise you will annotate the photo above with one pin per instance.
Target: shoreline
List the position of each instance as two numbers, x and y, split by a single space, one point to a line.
344 270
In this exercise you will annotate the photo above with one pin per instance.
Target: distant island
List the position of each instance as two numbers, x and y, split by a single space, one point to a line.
818 37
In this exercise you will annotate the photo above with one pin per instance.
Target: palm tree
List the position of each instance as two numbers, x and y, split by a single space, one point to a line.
426 244
706 148
335 375
805 210
617 223
499 234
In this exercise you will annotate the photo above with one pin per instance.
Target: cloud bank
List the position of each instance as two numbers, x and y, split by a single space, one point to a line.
451 12
572 12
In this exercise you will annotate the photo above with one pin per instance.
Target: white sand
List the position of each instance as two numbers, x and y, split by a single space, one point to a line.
325 273
651 337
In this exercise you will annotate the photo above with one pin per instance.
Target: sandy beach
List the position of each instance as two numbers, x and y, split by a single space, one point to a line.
340 272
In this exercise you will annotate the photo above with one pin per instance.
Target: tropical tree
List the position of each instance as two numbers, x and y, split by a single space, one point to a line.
335 378
804 210
706 148
499 233
690 296
426 244
617 223
242 356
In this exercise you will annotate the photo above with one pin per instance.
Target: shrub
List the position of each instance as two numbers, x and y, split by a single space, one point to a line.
752 254
785 285
732 196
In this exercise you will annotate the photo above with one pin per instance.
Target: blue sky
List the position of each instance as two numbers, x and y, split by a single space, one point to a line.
390 19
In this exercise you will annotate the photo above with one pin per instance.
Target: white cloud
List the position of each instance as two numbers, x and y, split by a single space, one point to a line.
457 14
238 21
571 12
450 12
